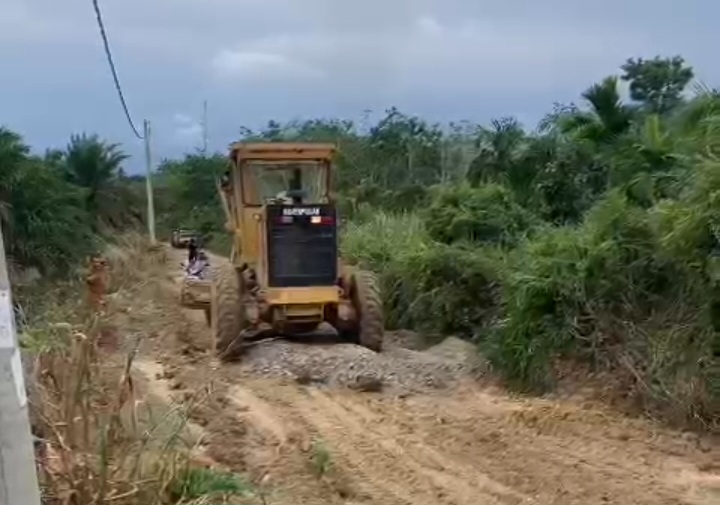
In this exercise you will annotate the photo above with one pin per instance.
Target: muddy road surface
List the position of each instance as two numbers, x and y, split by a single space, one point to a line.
324 422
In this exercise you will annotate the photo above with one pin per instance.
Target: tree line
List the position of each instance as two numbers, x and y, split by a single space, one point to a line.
55 207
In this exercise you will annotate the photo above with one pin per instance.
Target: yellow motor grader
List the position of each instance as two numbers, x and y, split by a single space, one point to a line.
284 276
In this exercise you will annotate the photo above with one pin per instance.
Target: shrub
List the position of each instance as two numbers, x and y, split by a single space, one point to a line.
425 285
487 214
606 291
48 227
442 290
381 238
405 198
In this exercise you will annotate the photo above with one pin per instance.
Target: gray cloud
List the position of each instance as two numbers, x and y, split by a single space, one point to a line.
261 59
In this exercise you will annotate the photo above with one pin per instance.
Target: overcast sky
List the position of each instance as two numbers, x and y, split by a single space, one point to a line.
255 60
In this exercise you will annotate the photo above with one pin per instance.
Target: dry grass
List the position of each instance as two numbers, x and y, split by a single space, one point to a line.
92 453
132 261
101 443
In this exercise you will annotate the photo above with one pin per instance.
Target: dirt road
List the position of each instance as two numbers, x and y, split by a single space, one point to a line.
298 419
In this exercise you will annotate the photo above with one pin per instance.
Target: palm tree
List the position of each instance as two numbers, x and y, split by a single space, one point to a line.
500 150
55 159
696 123
95 165
42 216
607 119
12 149
13 154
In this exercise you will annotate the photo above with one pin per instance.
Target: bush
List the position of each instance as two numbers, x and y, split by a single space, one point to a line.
539 292
380 238
487 214
425 285
188 195
406 198
609 292
442 290
49 227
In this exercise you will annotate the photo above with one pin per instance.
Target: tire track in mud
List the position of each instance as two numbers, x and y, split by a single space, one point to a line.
376 451
461 446
398 453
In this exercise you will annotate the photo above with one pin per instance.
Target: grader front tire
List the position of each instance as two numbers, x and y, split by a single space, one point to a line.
226 317
365 296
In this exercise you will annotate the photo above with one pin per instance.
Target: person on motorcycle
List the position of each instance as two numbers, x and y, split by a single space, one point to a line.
198 268
192 251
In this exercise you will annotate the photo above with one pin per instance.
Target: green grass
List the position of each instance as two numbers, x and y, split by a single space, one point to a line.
321 459
209 484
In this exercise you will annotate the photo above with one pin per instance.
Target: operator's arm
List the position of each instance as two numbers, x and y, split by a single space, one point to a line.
225 181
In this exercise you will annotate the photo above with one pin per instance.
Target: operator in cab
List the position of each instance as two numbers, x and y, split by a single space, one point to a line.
283 198
292 195
225 181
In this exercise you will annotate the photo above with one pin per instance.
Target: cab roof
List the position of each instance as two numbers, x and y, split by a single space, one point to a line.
282 151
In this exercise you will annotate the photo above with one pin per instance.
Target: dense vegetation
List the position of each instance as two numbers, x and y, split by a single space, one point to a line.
593 237
54 208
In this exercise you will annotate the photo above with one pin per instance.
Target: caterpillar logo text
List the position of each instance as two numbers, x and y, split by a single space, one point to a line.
301 211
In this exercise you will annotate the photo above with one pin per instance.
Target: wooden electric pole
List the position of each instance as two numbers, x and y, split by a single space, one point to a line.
205 128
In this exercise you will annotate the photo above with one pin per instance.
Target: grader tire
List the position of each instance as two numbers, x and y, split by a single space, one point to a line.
226 316
365 296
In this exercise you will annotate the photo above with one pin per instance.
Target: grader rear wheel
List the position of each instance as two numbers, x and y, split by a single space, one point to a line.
226 318
365 296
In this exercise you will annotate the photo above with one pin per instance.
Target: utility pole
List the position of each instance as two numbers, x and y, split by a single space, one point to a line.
205 128
148 184
18 472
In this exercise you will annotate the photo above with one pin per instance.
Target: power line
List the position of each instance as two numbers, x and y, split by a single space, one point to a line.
112 68
145 136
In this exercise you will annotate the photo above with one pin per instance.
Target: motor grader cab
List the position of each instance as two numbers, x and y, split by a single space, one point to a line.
285 276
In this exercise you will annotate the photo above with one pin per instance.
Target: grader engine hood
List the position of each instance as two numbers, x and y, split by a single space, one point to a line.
302 245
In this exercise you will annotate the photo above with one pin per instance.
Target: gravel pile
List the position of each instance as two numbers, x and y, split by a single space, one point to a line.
352 366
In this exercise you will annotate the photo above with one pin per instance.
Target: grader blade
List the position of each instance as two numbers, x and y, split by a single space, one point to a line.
195 294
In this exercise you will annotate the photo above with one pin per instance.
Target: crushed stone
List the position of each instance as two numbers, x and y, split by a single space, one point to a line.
352 366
